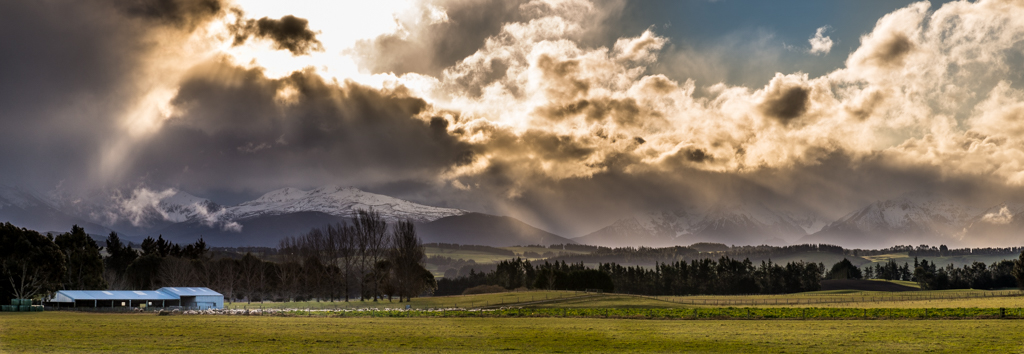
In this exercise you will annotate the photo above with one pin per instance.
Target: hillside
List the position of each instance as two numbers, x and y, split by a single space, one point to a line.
487 230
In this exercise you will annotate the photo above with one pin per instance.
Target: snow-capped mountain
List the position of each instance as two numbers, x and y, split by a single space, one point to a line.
336 201
736 223
30 210
284 212
180 216
1001 224
912 218
182 206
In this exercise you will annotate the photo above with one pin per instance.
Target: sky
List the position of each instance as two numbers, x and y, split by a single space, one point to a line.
564 113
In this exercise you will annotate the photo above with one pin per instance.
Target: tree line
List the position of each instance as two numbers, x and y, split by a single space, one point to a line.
33 264
369 259
360 260
696 277
930 276
1001 274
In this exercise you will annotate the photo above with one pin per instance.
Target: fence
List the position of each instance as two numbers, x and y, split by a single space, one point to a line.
766 300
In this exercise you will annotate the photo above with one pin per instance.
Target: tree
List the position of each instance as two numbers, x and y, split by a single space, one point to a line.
371 235
844 270
119 254
406 257
30 263
143 273
176 271
1018 270
83 260
250 273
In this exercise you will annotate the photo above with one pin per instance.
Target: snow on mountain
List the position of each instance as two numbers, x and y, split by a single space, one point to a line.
181 206
1002 224
736 223
27 209
14 197
337 201
912 218
746 217
912 212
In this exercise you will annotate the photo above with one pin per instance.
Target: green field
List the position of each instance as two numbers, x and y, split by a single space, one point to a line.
465 301
957 261
87 332
573 299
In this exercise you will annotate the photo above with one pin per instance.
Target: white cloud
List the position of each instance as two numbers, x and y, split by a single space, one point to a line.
143 205
1003 217
820 43
899 95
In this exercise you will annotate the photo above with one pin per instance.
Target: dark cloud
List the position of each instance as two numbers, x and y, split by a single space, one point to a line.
893 50
888 51
289 33
183 13
68 69
786 103
300 130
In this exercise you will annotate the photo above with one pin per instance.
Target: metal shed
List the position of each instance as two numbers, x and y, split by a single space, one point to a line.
200 298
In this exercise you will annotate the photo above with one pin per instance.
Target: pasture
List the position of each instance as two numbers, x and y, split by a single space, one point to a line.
92 332
579 299
464 301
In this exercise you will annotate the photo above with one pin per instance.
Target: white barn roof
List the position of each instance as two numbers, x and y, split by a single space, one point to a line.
190 291
166 293
74 295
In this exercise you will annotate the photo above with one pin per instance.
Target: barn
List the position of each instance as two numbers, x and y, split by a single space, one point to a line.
185 297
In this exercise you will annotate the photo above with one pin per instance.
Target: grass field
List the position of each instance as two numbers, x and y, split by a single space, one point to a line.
572 299
957 261
465 301
88 332
476 256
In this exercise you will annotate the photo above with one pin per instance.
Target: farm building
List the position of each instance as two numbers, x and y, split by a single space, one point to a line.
198 298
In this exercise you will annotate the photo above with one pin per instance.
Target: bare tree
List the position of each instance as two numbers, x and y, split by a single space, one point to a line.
225 277
371 235
116 281
289 280
175 271
406 254
249 273
347 258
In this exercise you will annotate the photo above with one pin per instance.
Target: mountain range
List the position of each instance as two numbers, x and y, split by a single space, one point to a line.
912 218
264 221
909 219
736 223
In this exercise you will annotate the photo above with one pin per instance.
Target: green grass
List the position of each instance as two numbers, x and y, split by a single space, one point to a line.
863 299
569 299
476 256
464 301
826 258
84 332
907 283
542 250
957 261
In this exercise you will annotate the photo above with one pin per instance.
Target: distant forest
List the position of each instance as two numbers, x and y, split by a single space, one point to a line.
368 259
371 259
